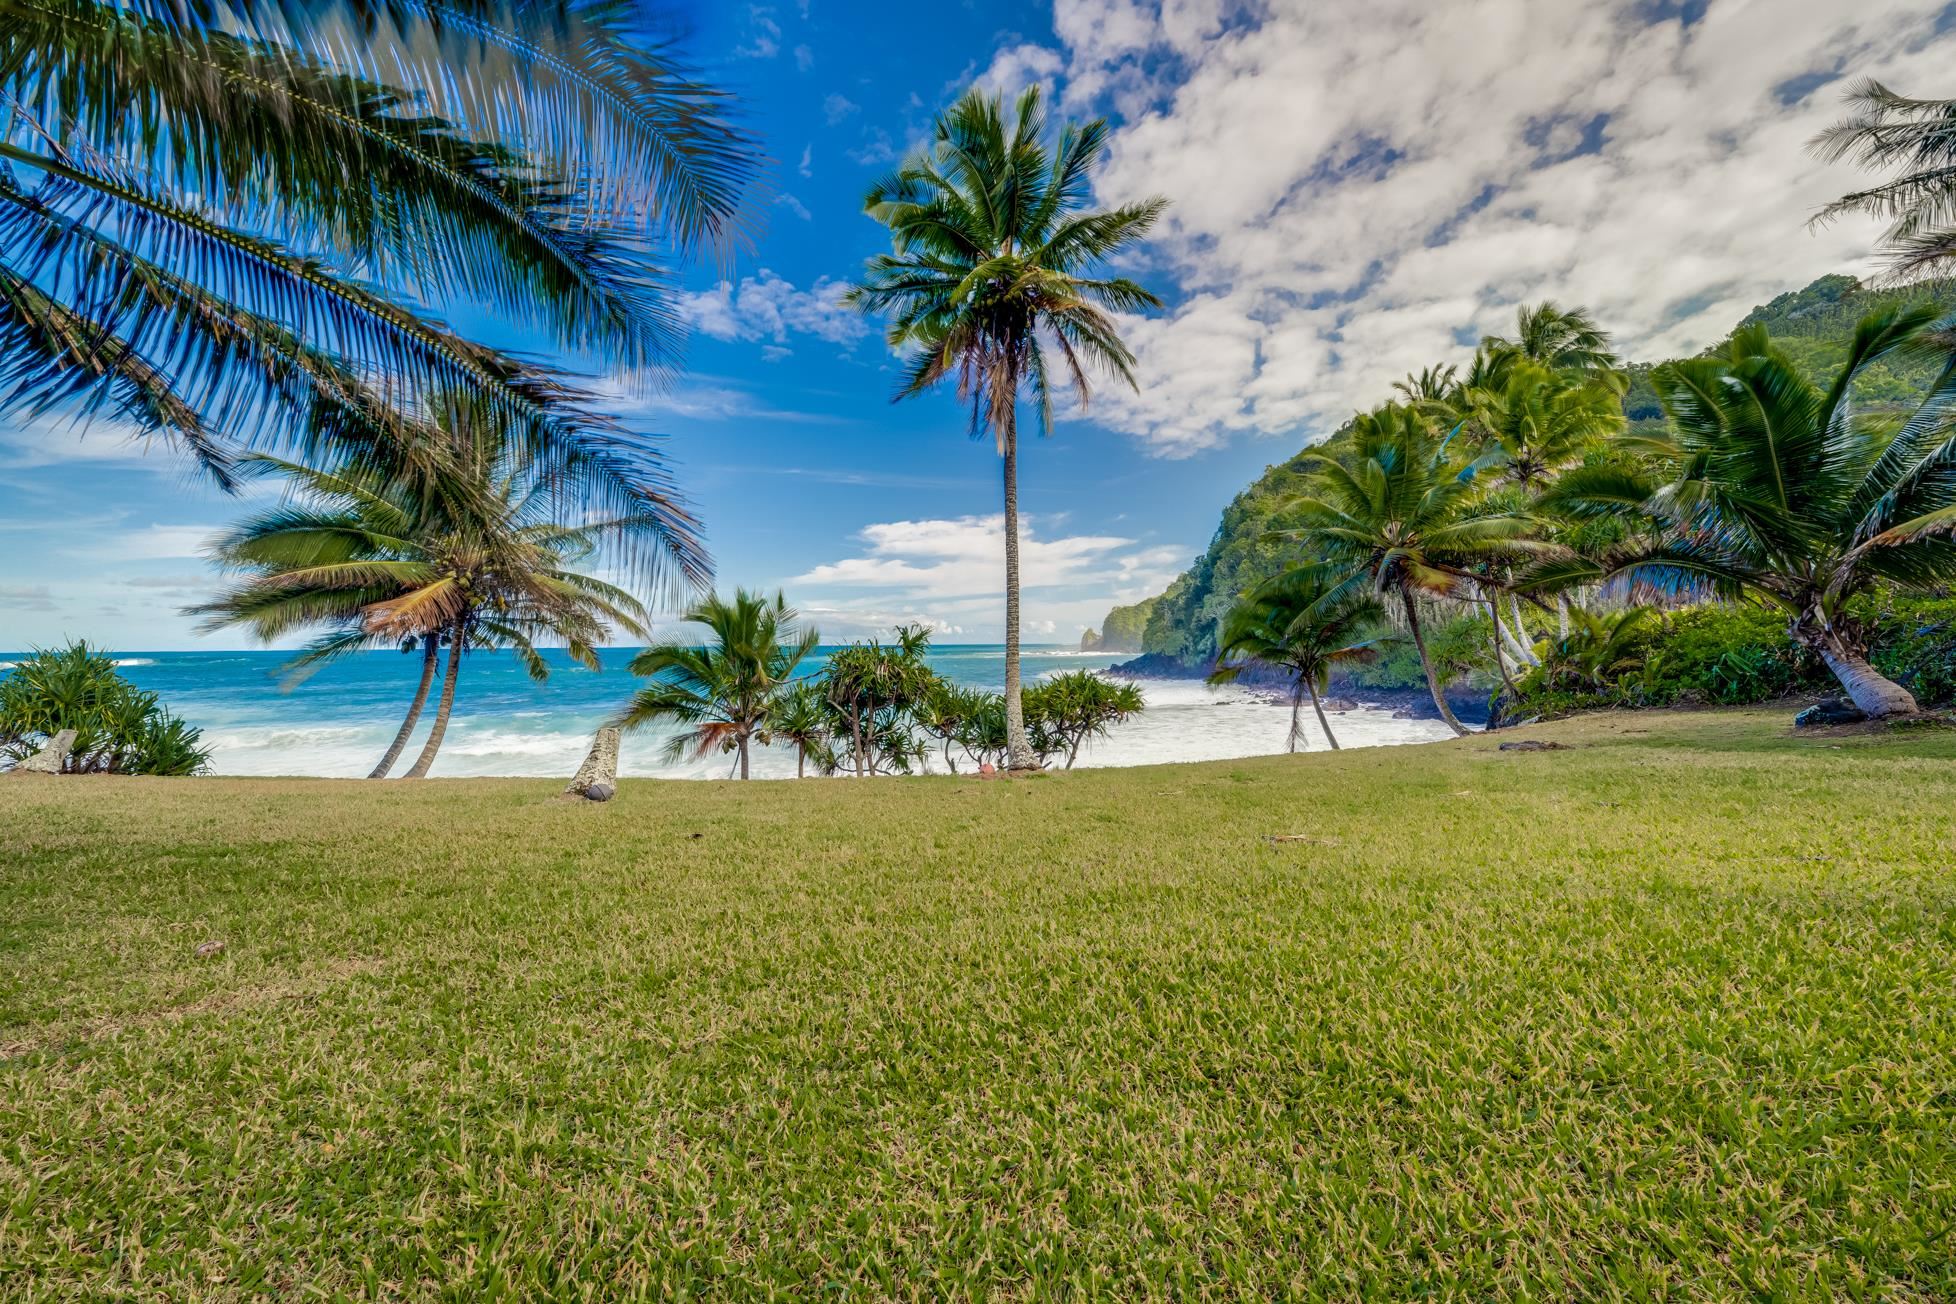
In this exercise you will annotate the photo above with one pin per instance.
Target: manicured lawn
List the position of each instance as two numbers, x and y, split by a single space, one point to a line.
1670 1014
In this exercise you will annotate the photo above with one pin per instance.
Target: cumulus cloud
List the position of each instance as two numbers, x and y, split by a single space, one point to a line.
1015 67
767 307
1363 187
763 34
952 571
837 107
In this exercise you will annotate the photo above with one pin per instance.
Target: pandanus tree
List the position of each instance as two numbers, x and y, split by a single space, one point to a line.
996 281
1307 621
1395 505
1781 490
722 692
217 221
471 559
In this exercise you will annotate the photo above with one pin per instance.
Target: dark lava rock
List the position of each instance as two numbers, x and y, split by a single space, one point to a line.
1835 710
600 792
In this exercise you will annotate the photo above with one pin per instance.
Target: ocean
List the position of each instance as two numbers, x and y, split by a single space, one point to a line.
339 721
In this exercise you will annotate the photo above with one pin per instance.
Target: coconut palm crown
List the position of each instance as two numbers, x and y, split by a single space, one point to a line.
1308 620
995 281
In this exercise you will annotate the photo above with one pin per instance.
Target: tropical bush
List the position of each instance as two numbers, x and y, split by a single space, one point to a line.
1069 710
119 728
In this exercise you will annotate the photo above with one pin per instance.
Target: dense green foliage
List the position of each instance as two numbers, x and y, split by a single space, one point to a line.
119 729
1731 655
1664 1016
1814 326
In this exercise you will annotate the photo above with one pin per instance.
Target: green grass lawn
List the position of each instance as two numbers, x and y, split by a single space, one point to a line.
1669 1014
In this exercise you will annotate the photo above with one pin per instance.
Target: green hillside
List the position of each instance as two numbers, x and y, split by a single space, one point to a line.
1814 325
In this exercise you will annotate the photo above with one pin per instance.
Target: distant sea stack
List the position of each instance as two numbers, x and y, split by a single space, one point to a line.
1122 630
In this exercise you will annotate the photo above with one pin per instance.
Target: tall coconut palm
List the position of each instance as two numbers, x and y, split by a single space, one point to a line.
996 279
725 690
1916 141
471 561
1783 491
534 158
1394 506
1308 620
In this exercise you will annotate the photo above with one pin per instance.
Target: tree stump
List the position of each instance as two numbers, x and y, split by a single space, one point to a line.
600 768
51 757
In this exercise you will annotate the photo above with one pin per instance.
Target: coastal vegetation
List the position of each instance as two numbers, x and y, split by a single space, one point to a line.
118 728
724 694
1307 621
996 280
470 558
1227 1028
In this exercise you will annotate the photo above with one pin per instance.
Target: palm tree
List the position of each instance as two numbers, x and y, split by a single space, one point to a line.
800 718
996 265
1560 339
724 691
471 560
530 160
1538 422
1783 492
1393 506
1307 620
1917 140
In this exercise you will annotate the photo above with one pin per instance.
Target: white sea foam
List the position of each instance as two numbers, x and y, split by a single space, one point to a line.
1185 720
135 661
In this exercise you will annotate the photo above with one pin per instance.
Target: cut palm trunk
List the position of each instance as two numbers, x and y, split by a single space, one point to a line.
600 764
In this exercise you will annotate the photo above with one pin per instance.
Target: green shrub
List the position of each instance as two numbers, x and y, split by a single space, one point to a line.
119 729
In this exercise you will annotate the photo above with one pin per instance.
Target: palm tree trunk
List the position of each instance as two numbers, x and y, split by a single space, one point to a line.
743 756
801 763
1296 706
1501 657
1873 692
1323 723
1426 664
1562 613
431 649
1073 752
442 708
1018 752
1518 641
856 733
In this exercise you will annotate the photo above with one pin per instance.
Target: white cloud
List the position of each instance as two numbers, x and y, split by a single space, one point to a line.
807 165
804 58
837 107
767 307
1358 182
763 34
795 206
953 572
1017 66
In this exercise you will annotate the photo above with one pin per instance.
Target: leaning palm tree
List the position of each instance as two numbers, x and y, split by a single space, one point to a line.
532 158
995 279
1308 621
1784 492
1394 506
470 560
1916 141
723 691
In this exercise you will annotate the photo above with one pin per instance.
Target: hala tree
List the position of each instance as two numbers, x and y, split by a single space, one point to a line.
119 728
995 279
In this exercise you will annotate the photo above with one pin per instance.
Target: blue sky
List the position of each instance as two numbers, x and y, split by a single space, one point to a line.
1359 189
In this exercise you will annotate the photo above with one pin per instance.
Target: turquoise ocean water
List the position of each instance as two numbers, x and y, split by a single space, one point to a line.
340 720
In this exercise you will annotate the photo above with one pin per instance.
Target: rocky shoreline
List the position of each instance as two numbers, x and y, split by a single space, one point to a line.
1407 703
